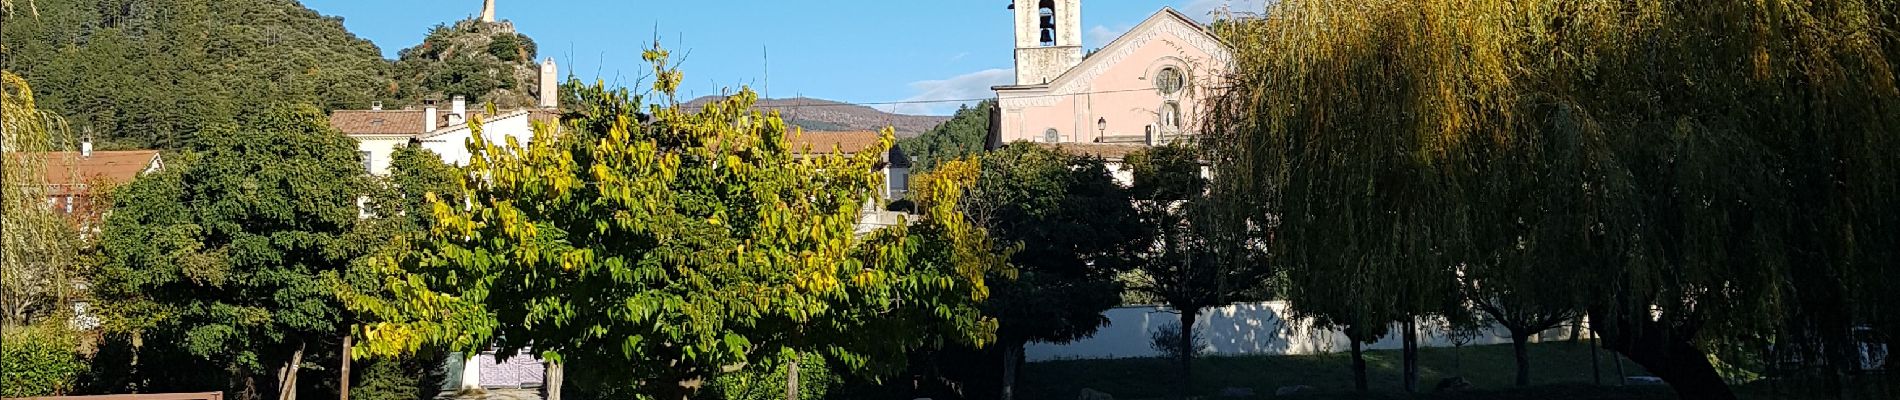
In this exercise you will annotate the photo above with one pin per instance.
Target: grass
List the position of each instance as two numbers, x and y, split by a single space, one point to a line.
1560 370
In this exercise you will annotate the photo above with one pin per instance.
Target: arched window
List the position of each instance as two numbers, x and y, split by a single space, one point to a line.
1051 136
1170 80
1171 115
1047 11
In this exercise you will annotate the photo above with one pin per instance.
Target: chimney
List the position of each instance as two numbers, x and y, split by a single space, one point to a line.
550 85
377 106
85 145
428 116
458 110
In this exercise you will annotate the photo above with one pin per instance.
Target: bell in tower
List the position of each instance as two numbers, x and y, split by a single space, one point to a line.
1048 38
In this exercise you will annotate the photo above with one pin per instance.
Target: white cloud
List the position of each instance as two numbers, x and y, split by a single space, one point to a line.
974 85
1099 36
1204 10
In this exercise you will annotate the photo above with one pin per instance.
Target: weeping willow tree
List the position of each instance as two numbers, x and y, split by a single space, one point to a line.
38 248
1704 173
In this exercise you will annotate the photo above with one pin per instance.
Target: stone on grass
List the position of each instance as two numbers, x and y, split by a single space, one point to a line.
1454 384
1292 390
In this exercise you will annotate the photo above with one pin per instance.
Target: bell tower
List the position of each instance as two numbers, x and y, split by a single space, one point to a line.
1048 39
488 10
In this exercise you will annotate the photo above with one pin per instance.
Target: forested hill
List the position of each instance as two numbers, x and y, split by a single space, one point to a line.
156 73
488 62
826 115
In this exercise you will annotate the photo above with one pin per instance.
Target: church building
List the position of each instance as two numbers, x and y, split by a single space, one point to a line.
1141 89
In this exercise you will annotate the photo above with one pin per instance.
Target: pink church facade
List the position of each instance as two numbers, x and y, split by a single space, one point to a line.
1144 88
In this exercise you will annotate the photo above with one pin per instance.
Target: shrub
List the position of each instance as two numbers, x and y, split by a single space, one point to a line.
767 382
39 360
1167 341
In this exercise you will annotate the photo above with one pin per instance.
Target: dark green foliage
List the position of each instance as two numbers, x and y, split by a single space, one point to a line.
401 378
159 73
485 62
1077 231
767 381
38 360
963 135
223 261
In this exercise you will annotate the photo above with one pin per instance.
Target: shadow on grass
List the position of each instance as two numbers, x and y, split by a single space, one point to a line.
1562 370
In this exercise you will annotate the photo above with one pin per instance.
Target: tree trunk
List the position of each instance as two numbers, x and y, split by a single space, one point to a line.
1596 372
1410 352
1187 351
1010 353
287 376
343 374
1520 349
1358 365
791 380
1621 376
551 389
1666 352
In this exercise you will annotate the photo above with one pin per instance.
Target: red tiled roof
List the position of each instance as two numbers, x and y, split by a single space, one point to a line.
69 169
1111 152
823 142
387 122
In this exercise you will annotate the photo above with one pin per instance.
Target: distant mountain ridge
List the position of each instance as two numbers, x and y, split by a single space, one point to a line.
827 115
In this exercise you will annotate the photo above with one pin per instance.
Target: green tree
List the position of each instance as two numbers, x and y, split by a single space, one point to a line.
1201 247
220 261
1724 158
38 247
1076 230
682 243
159 74
964 135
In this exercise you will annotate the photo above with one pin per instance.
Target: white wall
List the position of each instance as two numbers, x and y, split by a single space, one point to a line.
1260 328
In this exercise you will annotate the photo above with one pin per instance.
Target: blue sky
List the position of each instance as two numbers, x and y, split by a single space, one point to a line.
861 51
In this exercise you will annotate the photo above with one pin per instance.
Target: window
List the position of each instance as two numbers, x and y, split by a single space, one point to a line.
364 157
1171 115
1051 136
1047 10
1169 80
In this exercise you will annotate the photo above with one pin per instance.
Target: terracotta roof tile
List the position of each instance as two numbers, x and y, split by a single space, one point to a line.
386 122
823 142
1110 152
67 168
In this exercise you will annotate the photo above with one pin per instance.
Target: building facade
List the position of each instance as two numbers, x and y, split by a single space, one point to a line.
1140 89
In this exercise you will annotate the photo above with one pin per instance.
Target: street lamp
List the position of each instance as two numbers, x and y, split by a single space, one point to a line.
1101 128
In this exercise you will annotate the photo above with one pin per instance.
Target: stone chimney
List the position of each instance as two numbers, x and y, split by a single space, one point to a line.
377 106
488 10
428 116
458 110
85 145
550 85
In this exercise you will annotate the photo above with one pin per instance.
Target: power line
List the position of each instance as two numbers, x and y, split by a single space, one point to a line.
903 102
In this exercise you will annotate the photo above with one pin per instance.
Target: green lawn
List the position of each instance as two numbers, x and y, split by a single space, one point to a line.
1561 370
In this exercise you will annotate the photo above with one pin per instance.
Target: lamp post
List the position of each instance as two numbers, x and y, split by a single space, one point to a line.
1101 128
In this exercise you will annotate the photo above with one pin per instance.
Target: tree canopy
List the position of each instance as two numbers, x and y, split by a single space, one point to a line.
654 247
221 260
1714 172
964 135
159 74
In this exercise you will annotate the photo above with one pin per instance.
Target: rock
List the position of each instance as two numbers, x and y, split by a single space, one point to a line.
1236 392
1454 384
1091 394
1292 390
